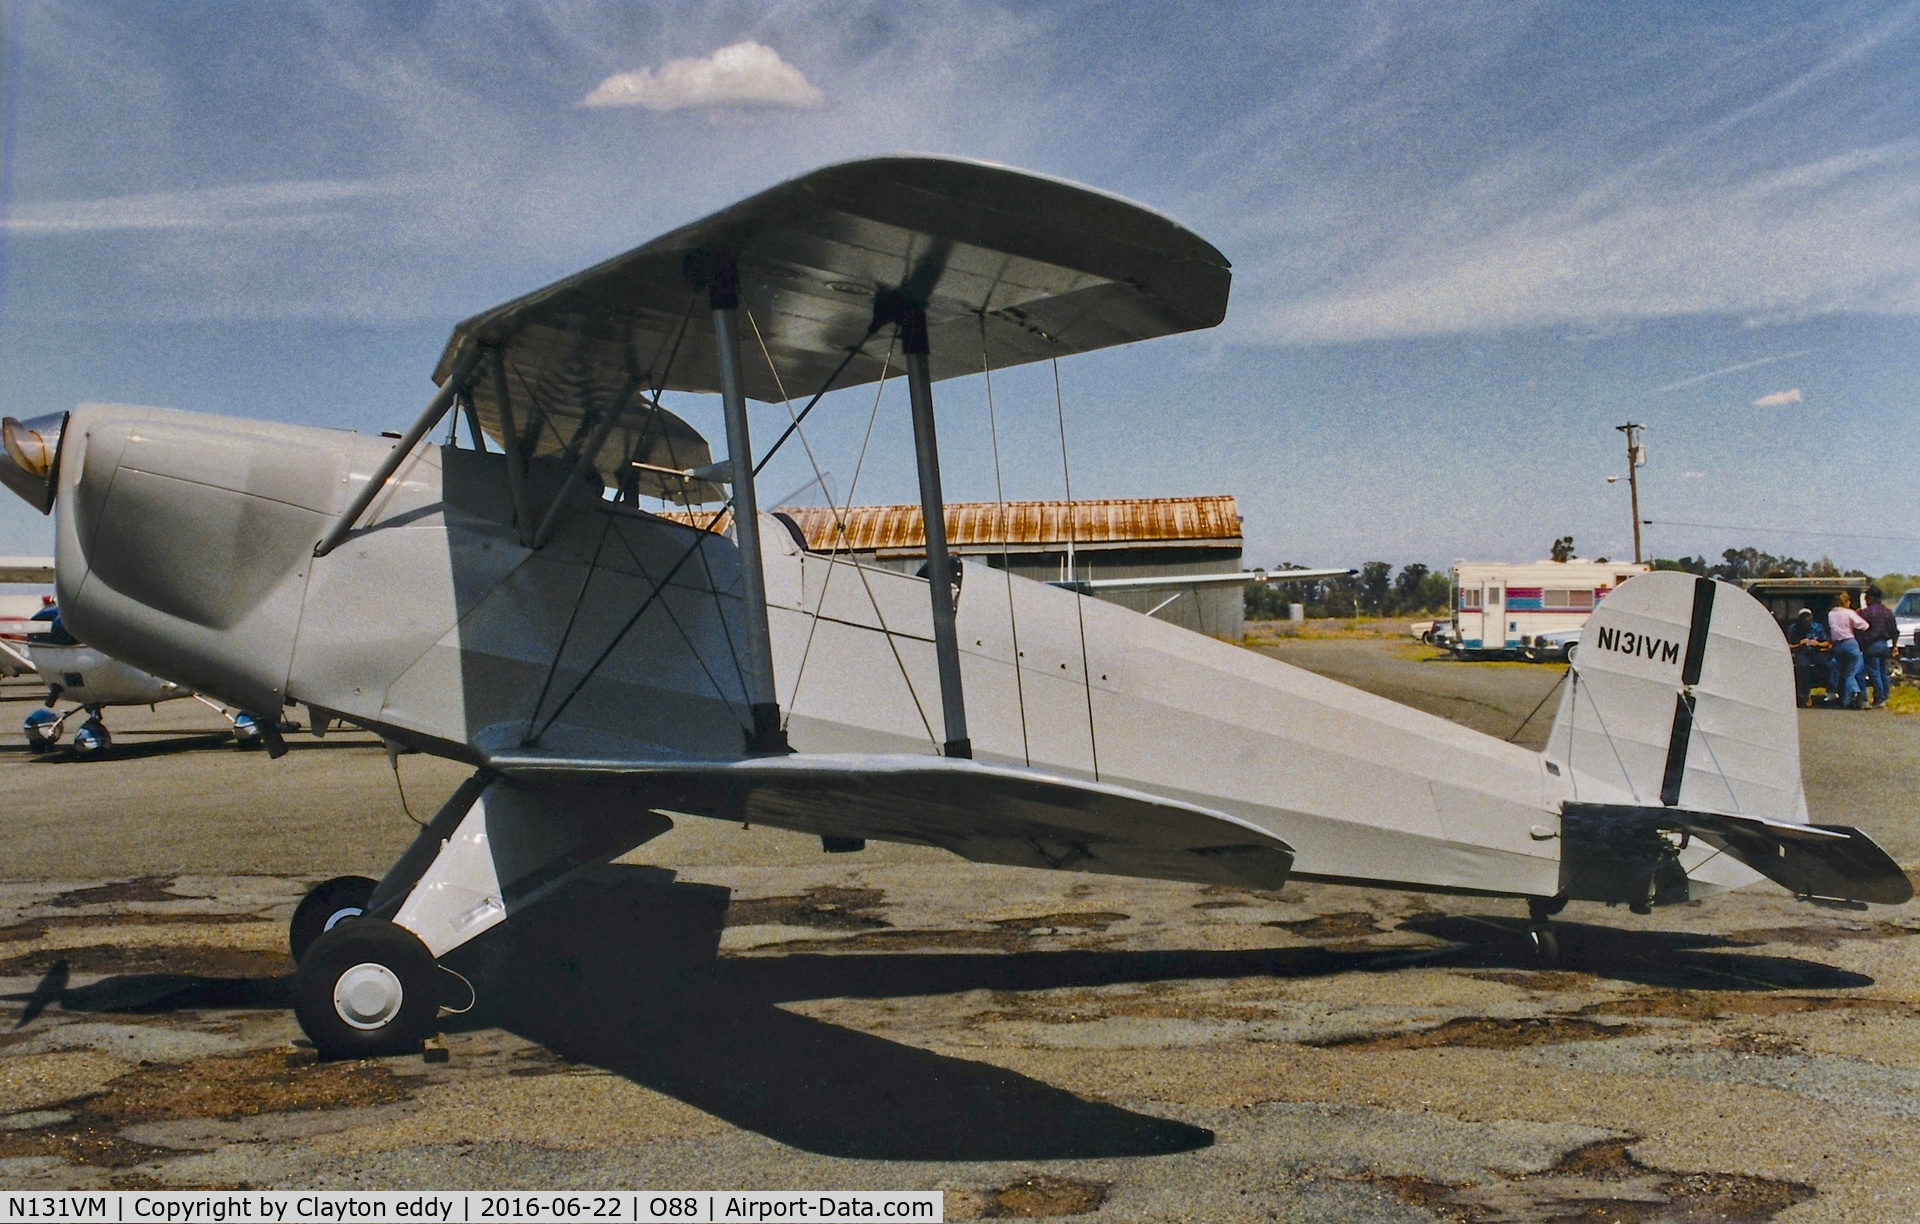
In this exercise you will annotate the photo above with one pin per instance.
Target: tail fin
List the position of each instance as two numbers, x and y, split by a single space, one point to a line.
1679 718
1681 695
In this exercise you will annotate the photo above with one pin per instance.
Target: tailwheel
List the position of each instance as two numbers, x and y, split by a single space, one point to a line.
367 988
92 739
1543 946
324 907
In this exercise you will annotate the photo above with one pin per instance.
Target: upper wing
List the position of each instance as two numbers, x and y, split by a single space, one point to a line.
1012 267
987 813
26 569
1168 582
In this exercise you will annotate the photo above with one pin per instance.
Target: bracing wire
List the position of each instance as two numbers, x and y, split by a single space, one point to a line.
1006 561
696 546
1536 709
667 607
1079 601
839 525
699 541
553 668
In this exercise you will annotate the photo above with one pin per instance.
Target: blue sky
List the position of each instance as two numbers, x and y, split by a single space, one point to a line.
1468 239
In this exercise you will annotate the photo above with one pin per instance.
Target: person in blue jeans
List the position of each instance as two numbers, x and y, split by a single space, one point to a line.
1844 626
1811 663
1876 645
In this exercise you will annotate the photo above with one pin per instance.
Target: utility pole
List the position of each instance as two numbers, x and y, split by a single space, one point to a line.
1636 455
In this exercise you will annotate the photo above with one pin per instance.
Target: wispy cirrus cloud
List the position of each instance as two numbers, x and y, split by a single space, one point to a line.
1732 369
1649 185
743 74
1833 234
273 205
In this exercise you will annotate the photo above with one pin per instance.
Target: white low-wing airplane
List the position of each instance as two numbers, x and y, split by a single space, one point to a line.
40 645
600 667
17 610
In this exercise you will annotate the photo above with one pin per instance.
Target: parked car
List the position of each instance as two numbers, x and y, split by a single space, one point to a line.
1906 613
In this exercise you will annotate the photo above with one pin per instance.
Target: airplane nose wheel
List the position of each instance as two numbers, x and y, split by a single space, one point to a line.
42 730
367 988
326 907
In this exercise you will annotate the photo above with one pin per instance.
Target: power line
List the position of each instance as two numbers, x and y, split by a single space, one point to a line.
1823 535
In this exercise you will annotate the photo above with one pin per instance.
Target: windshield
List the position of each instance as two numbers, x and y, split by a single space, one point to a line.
1909 604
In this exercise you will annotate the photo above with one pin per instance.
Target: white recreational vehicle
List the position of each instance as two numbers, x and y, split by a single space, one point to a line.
1534 609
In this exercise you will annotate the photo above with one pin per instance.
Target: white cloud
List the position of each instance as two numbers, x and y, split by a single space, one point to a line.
1779 399
1692 475
743 74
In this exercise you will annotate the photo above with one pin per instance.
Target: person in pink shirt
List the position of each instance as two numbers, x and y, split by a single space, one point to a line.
1843 623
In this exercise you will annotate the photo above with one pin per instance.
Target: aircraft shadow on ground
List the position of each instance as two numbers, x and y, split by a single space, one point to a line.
622 972
140 749
1675 960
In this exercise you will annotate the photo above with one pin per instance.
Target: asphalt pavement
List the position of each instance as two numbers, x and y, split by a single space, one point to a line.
732 1008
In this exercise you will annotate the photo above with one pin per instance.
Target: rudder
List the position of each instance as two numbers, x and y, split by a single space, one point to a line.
1681 695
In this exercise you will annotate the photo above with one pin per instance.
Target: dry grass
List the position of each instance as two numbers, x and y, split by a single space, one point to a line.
1263 633
1905 699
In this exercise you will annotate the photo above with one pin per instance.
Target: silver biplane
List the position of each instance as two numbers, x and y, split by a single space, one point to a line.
509 604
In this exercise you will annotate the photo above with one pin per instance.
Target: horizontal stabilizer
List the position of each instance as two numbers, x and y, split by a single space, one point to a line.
986 813
1826 862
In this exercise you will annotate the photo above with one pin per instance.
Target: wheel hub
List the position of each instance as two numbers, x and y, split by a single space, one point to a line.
368 995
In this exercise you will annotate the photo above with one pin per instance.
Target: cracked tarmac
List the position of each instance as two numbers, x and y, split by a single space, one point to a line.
734 1009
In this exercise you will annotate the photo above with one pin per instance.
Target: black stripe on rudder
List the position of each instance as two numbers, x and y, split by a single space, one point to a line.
1697 632
1677 750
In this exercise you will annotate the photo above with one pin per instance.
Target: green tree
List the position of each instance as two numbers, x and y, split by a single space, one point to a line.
1376 587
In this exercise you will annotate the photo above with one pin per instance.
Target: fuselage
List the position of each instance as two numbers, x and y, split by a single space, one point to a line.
186 545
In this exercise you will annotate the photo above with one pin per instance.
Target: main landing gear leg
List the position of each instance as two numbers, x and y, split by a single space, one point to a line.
1543 945
370 984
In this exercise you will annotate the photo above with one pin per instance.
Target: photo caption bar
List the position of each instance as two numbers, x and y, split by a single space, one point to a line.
474 1207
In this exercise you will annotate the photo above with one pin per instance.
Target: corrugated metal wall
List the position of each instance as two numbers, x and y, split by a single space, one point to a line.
1111 538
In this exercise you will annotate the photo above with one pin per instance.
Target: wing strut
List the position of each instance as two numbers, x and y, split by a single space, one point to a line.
436 408
912 321
723 293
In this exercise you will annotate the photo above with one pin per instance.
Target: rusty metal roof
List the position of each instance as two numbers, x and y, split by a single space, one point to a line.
1137 520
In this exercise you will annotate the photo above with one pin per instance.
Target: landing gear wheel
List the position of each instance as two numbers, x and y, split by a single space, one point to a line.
92 739
246 730
42 730
366 989
325 907
1543 946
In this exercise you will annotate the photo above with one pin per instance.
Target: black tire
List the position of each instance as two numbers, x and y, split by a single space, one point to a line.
325 907
382 970
92 740
1543 946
